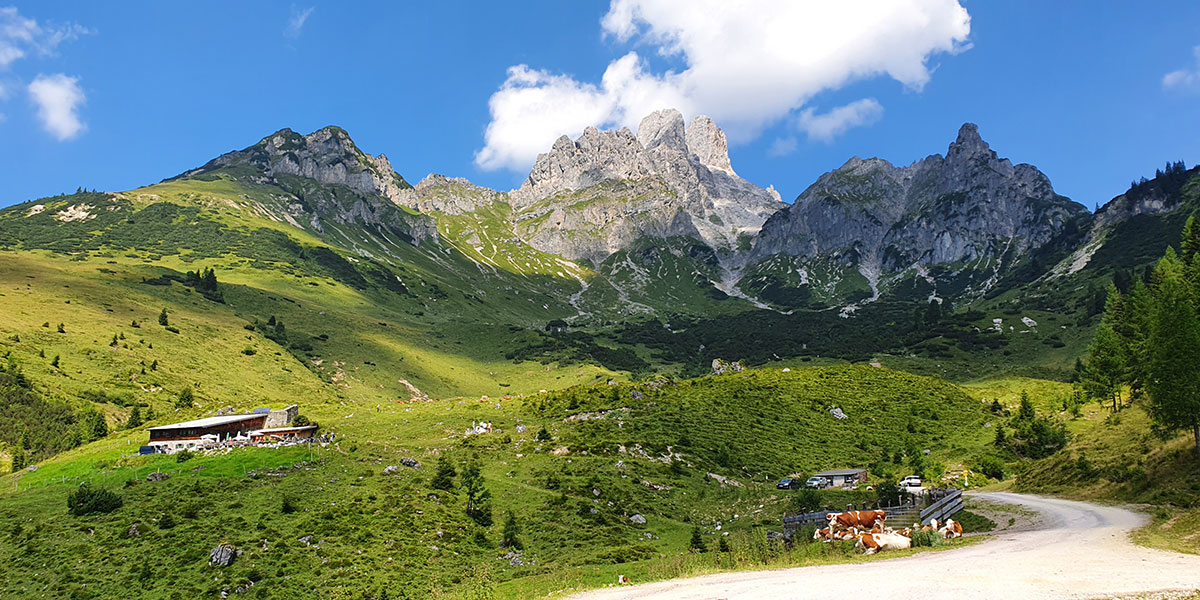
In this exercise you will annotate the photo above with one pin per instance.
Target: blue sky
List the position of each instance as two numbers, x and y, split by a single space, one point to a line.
116 95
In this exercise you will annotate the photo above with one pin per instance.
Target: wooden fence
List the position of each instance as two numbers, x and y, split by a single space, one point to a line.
949 504
945 502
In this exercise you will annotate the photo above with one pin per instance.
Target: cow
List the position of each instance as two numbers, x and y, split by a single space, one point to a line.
951 529
876 542
822 534
863 519
932 526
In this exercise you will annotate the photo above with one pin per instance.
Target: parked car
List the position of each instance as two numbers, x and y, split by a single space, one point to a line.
818 482
912 481
788 483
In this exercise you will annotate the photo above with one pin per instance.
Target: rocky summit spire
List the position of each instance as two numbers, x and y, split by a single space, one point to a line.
707 142
968 142
662 128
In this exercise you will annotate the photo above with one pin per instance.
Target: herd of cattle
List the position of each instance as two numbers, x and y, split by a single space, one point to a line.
871 534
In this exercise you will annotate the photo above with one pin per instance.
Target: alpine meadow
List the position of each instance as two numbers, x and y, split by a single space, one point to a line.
615 366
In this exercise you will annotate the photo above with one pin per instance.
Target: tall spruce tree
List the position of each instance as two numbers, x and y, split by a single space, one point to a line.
1107 367
1173 382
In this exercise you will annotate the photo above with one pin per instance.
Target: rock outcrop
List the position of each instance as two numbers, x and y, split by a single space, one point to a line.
602 192
450 195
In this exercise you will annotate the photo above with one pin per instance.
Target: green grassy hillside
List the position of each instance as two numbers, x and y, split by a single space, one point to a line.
613 451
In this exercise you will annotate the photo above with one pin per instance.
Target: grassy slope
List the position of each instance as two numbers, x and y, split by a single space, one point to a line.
381 530
1118 458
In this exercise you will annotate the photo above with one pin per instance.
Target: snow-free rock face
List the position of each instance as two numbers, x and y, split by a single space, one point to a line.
330 158
602 192
970 208
452 195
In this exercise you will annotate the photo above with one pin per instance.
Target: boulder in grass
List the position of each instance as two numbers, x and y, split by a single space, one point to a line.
223 555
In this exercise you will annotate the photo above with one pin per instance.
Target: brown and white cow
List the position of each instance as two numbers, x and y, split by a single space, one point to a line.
877 542
951 529
861 519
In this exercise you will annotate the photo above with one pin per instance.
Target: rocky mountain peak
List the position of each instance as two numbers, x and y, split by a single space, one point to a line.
968 143
707 142
890 222
668 180
662 128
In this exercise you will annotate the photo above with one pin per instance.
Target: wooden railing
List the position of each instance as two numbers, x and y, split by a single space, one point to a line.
946 502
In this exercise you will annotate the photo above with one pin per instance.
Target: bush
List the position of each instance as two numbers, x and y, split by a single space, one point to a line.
288 506
166 522
184 456
990 466
186 398
806 500
86 500
926 538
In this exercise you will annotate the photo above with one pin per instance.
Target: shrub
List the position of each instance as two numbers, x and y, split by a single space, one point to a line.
185 399
184 456
542 435
806 500
926 538
288 506
990 466
86 500
248 351
166 522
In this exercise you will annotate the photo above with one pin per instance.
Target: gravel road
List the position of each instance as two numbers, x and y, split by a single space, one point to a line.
1080 550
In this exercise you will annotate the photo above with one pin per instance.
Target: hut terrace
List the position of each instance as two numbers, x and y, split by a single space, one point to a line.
261 425
201 432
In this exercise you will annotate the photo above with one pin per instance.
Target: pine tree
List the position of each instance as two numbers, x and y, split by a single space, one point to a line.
1001 440
696 544
722 545
18 458
512 529
479 506
1189 245
54 361
1173 384
1107 368
135 418
162 318
1025 412
443 478
210 280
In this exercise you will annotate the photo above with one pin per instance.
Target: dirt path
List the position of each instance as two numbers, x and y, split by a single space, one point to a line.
1081 550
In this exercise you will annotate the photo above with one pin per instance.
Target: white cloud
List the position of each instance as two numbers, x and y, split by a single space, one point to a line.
20 34
1184 79
58 98
782 146
829 125
296 22
747 64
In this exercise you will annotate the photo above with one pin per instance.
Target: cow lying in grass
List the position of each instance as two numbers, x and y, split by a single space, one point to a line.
951 529
876 542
